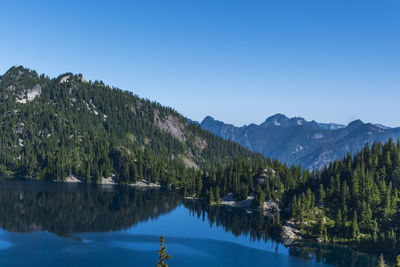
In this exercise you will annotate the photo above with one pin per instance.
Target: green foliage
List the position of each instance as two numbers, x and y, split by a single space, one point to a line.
397 263
360 195
93 131
381 261
162 254
259 198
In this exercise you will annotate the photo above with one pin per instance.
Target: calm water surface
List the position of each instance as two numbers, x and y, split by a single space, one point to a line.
50 224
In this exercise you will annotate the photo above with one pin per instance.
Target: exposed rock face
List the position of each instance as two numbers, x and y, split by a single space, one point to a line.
300 142
270 208
176 128
72 179
200 143
109 180
289 231
230 200
29 95
144 183
189 163
170 124
65 79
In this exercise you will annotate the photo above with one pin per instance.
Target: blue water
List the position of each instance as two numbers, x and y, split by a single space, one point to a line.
37 230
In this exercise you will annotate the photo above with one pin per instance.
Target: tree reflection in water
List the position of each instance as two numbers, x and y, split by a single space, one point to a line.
258 227
65 209
80 208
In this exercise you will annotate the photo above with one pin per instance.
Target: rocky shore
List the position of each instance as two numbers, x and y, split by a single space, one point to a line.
145 183
111 181
270 208
290 232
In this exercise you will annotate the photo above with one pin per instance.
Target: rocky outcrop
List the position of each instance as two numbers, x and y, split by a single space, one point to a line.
65 79
230 200
109 180
144 183
200 143
72 179
189 163
270 208
29 95
170 124
289 231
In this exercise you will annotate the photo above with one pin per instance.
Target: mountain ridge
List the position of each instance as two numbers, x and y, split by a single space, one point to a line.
298 141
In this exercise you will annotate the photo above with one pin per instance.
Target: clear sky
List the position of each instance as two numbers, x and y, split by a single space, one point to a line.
238 61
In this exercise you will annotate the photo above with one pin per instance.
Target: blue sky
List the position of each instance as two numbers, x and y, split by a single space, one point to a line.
238 61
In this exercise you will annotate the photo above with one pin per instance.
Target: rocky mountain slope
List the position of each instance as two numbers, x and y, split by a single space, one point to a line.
297 141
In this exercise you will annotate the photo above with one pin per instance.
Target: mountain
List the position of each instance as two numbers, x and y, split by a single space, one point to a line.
70 127
297 141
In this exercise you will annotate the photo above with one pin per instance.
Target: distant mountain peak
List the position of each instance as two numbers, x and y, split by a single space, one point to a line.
275 120
278 116
355 124
208 118
298 141
281 120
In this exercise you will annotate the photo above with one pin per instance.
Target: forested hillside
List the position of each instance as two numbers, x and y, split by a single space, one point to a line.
68 126
355 200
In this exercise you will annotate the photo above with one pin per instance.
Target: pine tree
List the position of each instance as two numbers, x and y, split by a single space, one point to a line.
321 194
321 225
294 207
162 254
381 262
338 223
217 195
354 226
210 196
397 263
375 231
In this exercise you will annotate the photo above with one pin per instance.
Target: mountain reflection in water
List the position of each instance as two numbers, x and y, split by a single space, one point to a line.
122 213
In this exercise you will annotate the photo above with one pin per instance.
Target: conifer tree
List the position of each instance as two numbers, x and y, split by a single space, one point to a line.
354 226
339 223
162 254
397 263
321 194
381 261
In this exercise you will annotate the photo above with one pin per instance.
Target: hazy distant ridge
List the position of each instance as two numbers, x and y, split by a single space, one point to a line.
298 141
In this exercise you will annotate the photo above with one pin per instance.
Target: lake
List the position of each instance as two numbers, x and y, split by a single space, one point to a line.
60 224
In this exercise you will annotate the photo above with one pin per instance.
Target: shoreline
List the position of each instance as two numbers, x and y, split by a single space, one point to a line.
108 181
288 232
